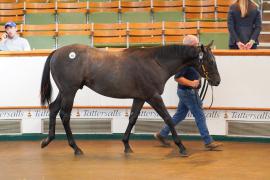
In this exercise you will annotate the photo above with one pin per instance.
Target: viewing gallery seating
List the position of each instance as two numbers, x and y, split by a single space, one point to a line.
125 23
175 31
136 11
40 13
104 12
167 10
40 36
122 34
79 12
72 13
222 8
216 31
72 33
145 34
11 12
199 10
112 35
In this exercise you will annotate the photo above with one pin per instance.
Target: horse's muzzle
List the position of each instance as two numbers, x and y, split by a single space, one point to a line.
214 82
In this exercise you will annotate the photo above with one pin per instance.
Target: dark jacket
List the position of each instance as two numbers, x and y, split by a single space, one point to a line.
243 29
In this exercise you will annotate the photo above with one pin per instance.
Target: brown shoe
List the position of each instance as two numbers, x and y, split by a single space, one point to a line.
213 145
162 140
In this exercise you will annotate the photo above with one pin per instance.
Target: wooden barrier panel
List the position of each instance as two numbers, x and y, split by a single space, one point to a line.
218 52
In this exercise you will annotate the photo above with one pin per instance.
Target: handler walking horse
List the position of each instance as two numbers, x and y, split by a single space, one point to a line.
138 73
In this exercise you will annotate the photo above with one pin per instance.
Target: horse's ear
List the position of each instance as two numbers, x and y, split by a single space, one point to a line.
210 44
202 48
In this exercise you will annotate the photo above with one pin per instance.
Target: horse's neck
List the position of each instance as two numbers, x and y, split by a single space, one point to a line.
173 63
178 66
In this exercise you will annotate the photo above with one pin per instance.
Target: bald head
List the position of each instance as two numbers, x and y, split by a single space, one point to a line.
191 40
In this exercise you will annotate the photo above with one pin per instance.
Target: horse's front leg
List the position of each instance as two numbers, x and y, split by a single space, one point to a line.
135 111
54 108
157 103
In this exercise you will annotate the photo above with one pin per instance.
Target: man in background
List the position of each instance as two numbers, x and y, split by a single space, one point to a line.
11 41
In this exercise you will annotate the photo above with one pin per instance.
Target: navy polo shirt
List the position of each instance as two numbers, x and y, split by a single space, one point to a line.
189 73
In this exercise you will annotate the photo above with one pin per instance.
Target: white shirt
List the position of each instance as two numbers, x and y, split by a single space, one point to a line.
15 44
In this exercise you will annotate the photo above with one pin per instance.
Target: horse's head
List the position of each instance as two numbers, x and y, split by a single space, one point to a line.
207 66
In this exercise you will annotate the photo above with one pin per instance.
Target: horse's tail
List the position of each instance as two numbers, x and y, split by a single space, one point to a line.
46 87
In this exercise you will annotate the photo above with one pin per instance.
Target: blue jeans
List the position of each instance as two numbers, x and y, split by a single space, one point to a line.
189 100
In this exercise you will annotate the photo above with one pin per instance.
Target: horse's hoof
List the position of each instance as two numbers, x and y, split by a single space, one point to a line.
44 143
183 153
78 152
128 150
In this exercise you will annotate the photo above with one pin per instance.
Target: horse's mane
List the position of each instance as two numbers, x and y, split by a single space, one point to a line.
172 51
164 52
136 50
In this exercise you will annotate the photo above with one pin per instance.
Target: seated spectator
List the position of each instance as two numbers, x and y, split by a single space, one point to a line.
11 41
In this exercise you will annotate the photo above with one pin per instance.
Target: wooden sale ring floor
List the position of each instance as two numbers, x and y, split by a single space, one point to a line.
104 159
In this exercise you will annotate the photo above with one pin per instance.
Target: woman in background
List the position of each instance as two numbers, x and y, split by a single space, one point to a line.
244 24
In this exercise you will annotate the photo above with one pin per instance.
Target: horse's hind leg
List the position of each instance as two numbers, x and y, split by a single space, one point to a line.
157 103
54 108
65 112
135 111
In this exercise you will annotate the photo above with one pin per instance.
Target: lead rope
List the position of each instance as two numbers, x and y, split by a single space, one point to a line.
212 97
203 94
204 90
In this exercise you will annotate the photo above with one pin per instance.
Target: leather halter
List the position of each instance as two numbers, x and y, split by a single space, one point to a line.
205 72
205 85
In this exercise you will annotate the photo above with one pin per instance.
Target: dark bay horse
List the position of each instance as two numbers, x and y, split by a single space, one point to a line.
137 73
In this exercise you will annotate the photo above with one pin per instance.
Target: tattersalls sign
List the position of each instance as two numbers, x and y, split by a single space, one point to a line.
31 119
145 113
249 115
102 113
15 114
